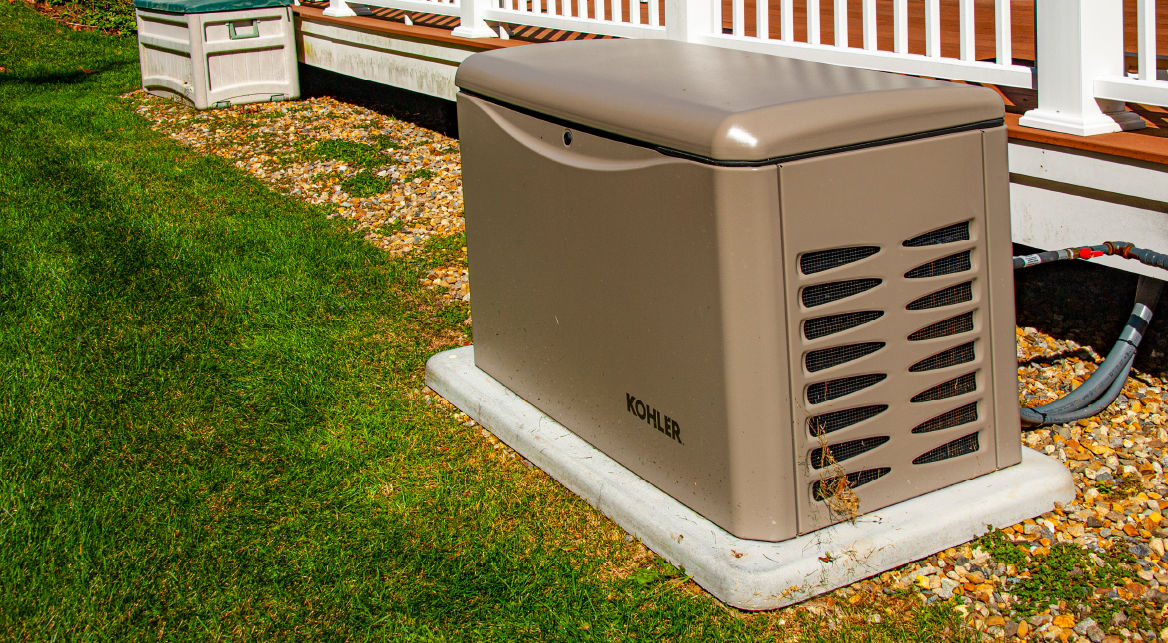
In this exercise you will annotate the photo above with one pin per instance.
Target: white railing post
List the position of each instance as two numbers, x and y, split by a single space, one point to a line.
1146 39
688 20
471 21
339 9
1077 42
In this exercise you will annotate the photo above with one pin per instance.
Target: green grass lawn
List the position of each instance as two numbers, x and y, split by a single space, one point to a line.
211 422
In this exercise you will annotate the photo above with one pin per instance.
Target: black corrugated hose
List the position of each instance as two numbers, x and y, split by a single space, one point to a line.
1104 385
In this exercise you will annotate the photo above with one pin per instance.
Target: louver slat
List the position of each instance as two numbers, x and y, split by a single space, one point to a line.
948 234
955 449
830 422
820 260
832 324
821 294
830 454
823 489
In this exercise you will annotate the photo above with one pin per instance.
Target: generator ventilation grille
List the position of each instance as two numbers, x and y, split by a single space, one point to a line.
833 275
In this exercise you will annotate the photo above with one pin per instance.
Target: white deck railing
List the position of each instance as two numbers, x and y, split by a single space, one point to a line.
621 18
868 53
1149 85
438 7
1081 78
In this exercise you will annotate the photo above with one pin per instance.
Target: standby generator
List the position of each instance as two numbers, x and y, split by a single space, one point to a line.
778 290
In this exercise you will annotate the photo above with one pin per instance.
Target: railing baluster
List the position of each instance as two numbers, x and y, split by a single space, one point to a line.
616 11
787 30
762 19
1146 38
870 25
813 21
1005 51
654 16
581 8
933 28
966 29
598 9
840 15
738 17
635 12
900 26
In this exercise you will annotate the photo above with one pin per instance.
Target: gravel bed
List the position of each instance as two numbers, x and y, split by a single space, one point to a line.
1091 570
407 179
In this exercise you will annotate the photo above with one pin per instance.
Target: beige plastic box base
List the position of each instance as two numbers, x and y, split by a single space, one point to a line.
219 59
752 574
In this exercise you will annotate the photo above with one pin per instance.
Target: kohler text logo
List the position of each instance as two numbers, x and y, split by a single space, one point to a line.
654 417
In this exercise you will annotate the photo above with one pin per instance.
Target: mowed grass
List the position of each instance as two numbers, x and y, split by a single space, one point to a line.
211 422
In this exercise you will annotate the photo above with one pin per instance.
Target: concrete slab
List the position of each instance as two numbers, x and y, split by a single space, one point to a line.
749 574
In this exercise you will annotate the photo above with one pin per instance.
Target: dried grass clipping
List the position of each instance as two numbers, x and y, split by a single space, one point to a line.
834 485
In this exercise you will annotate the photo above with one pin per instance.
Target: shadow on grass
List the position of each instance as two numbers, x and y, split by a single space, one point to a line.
49 79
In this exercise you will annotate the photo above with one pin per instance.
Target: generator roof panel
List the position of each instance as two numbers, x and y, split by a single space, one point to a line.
721 104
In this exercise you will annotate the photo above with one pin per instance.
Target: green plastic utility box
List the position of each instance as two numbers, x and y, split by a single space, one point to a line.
215 53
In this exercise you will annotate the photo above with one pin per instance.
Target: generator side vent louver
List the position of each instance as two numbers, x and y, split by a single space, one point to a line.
953 326
829 422
957 448
949 419
958 386
820 260
948 234
836 355
832 453
959 262
832 324
823 489
962 354
821 294
957 294
832 389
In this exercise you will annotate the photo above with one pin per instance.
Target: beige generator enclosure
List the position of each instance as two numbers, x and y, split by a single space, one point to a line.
780 291
215 53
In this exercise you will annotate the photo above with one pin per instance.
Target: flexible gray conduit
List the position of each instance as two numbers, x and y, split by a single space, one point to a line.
1150 257
1104 385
